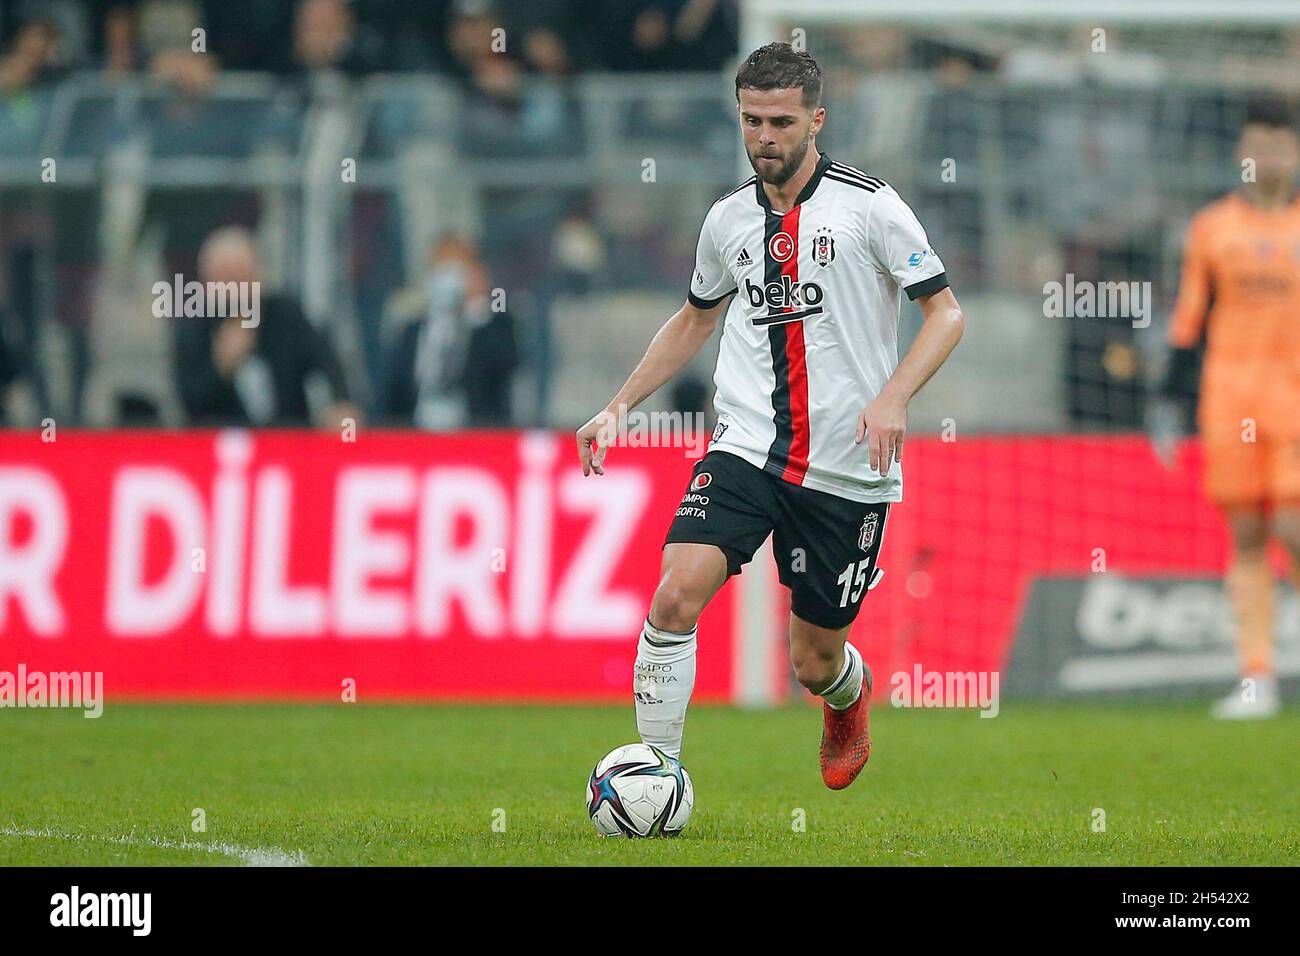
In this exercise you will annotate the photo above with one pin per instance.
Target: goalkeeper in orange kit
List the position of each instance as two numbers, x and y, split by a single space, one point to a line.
1240 289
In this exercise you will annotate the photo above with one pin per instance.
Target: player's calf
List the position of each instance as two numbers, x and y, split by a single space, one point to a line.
833 669
664 674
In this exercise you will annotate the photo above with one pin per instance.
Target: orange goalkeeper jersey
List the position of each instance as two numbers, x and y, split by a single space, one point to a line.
1241 286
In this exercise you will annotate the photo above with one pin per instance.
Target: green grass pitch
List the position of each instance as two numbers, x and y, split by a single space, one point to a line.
413 785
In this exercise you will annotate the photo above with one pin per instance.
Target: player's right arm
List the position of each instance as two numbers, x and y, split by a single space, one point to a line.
673 346
1186 327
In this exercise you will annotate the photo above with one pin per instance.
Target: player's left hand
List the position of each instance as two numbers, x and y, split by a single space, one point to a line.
883 424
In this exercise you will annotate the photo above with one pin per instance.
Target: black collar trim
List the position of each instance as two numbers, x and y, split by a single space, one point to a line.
805 194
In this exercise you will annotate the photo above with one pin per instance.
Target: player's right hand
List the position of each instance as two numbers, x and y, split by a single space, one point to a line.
593 442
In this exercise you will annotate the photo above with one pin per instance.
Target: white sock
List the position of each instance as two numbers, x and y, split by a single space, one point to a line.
662 681
847 687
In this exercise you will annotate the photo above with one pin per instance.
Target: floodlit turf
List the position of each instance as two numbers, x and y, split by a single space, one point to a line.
354 784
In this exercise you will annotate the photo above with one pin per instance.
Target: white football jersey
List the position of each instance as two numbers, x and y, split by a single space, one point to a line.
812 334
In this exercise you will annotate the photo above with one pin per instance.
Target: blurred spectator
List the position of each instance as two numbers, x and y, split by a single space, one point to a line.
10 361
452 350
166 34
481 55
411 35
552 36
115 36
22 326
32 58
249 34
652 35
231 375
503 113
326 38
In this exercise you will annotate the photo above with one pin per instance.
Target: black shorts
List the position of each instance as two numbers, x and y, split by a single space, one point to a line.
825 546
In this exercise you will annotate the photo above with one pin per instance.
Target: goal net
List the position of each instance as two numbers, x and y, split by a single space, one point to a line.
1054 153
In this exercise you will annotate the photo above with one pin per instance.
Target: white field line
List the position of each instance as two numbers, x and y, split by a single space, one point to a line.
251 856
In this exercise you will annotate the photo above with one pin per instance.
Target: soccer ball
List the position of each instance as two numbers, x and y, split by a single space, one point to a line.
639 791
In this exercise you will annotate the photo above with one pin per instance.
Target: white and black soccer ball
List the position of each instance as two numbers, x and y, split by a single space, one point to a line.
639 791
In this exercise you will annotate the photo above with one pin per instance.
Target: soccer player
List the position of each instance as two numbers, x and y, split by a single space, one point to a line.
1241 285
805 263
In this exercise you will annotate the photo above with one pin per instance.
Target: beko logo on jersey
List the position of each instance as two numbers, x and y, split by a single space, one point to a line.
779 296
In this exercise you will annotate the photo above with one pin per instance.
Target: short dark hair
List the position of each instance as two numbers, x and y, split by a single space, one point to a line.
1272 112
779 66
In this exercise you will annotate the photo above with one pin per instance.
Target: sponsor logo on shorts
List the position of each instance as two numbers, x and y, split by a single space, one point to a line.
867 536
701 481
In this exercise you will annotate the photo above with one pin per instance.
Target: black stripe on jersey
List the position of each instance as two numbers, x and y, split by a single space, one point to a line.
857 174
699 303
782 416
927 286
745 185
857 183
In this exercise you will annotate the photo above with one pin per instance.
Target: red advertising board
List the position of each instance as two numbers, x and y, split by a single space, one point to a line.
477 565
281 564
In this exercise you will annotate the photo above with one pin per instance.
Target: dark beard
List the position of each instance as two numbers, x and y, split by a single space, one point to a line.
787 169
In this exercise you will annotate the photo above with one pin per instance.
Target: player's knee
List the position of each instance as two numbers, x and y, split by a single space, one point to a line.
676 606
815 670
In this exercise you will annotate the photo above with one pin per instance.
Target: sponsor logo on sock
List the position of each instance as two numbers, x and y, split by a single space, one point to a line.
655 673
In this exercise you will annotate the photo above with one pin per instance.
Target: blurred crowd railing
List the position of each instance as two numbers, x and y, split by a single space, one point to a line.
580 200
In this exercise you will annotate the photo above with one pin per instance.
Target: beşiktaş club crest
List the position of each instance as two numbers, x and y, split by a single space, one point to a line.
823 247
867 536
701 481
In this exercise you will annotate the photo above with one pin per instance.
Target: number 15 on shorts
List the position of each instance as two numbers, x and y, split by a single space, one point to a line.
855 578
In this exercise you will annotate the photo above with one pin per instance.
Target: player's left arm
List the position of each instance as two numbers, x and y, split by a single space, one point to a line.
899 246
883 423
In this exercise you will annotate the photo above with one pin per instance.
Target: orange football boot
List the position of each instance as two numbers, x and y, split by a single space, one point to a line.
846 744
